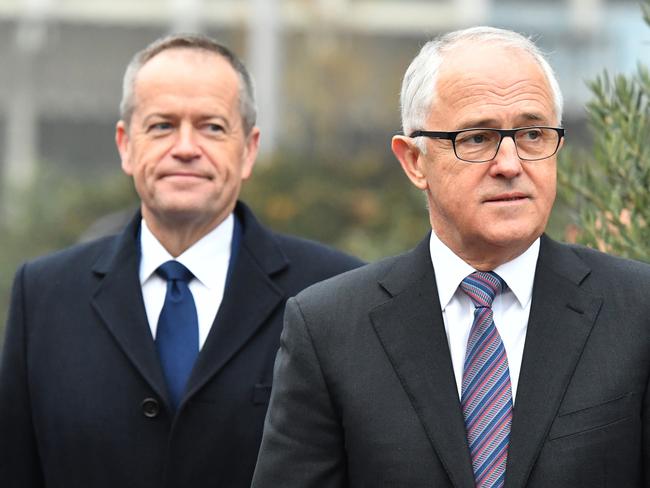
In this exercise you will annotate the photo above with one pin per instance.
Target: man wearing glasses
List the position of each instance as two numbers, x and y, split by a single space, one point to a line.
489 355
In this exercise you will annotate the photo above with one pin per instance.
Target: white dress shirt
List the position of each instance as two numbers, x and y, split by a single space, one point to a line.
207 259
511 309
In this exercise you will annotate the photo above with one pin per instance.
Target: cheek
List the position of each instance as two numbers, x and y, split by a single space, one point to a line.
451 197
227 165
546 184
139 171
148 160
459 184
144 176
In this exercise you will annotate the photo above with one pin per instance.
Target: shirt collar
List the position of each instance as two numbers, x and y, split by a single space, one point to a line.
210 252
450 270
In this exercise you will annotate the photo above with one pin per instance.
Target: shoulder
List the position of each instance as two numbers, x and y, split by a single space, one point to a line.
336 313
73 257
359 288
308 262
602 268
299 249
304 261
95 254
67 267
62 277
615 271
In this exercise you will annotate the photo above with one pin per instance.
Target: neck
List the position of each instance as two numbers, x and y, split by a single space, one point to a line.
487 257
487 263
178 235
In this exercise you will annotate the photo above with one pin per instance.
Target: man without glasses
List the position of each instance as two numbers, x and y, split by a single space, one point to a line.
490 355
145 360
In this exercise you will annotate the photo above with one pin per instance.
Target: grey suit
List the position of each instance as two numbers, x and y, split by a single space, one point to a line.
365 396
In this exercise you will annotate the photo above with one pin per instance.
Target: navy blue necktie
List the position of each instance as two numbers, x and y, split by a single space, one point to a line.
177 336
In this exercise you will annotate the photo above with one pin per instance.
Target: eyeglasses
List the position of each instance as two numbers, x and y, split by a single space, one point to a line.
481 145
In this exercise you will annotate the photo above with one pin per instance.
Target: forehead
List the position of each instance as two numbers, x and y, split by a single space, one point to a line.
187 72
491 82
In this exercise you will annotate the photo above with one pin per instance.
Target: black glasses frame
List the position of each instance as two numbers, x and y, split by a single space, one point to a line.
502 133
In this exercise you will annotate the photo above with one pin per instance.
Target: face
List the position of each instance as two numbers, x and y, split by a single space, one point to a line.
185 146
485 212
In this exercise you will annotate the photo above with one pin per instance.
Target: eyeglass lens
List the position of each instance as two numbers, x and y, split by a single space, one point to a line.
483 144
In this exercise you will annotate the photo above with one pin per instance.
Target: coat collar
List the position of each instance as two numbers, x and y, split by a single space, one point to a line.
118 301
251 289
411 330
562 316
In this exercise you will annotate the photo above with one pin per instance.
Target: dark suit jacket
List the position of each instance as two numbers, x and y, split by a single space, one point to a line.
82 397
365 396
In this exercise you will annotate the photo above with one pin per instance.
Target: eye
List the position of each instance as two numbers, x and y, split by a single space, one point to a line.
159 127
475 137
532 134
214 128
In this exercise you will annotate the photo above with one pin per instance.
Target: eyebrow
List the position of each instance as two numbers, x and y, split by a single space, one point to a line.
478 123
174 116
493 123
205 117
160 115
533 117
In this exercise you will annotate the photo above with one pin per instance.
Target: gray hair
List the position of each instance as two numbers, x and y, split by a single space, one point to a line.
419 87
247 107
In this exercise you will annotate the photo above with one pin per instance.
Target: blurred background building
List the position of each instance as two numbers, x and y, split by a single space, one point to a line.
328 74
327 71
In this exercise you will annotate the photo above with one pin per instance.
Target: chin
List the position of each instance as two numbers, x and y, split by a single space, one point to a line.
182 213
514 238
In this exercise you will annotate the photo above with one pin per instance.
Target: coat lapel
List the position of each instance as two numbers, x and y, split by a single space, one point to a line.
561 318
118 301
411 330
247 302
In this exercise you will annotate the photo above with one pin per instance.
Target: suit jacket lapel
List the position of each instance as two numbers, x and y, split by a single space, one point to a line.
247 302
411 330
561 318
118 301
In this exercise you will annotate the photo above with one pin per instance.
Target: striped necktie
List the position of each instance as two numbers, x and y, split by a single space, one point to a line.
486 395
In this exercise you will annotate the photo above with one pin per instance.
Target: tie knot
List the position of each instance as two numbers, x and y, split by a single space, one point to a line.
174 271
482 287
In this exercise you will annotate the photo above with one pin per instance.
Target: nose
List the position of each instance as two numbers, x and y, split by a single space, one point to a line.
507 162
185 147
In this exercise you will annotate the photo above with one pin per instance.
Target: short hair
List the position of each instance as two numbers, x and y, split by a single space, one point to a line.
419 87
247 107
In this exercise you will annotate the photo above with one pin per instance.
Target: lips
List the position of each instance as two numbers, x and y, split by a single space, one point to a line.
183 174
506 197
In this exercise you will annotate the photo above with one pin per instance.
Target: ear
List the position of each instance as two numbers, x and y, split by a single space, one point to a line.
250 153
122 142
410 157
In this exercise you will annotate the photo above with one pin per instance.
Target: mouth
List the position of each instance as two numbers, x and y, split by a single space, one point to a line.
182 175
507 198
